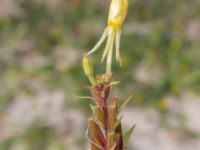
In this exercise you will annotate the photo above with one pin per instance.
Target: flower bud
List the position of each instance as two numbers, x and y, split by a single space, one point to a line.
117 13
88 69
87 66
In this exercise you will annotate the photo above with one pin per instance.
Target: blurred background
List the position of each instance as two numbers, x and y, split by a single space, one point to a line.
41 47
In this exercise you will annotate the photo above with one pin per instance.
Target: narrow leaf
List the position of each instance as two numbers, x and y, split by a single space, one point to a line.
91 141
114 83
83 97
127 135
125 102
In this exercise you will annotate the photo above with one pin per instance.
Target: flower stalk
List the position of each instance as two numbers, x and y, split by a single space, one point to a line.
104 132
104 126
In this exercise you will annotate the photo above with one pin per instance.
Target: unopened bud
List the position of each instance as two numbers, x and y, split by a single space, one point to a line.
87 66
88 69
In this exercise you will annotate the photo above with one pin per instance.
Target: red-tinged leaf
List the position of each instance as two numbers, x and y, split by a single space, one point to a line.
96 133
94 147
112 116
115 102
99 87
98 98
106 92
119 138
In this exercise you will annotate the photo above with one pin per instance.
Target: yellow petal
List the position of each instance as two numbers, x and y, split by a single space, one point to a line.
117 13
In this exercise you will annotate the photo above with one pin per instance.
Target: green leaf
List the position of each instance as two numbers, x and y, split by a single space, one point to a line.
84 97
127 135
114 83
125 102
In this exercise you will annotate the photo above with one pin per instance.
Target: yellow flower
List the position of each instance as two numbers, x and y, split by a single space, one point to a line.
117 14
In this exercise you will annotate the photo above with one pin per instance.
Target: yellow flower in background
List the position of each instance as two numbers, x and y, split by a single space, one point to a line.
117 14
